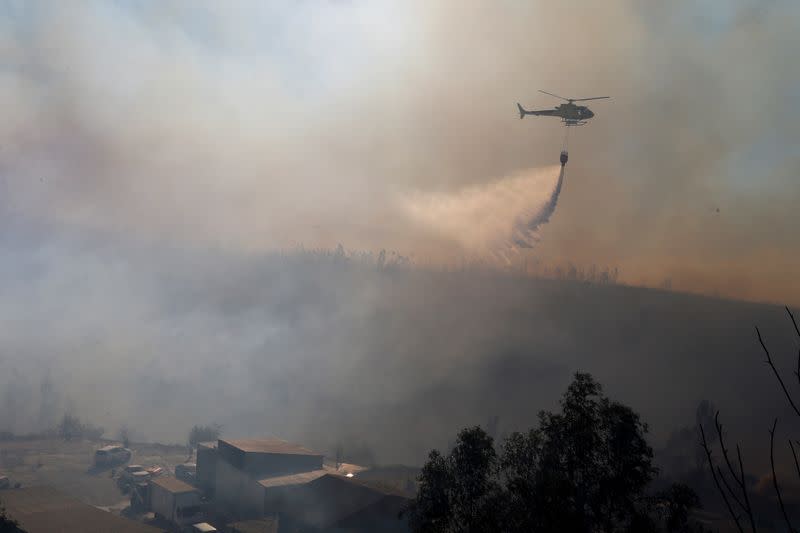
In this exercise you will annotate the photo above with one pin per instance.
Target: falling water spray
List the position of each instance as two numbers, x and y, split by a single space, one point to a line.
526 228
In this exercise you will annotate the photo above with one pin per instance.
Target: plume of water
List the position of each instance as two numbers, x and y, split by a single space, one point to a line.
493 220
526 228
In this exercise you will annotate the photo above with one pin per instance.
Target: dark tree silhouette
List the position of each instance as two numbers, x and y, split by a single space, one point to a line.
71 428
125 435
7 524
676 504
204 433
459 492
586 465
585 469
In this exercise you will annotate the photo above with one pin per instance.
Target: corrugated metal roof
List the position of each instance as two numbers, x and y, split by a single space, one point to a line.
268 445
46 510
305 477
373 485
293 479
173 485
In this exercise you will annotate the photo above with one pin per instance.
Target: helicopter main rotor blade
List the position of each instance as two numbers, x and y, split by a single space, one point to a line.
592 98
551 94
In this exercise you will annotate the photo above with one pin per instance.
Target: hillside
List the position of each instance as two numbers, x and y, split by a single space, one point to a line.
389 363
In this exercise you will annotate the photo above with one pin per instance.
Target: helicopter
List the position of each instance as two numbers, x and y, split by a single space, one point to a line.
570 114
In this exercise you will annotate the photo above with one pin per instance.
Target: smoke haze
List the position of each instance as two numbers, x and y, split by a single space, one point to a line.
156 157
254 126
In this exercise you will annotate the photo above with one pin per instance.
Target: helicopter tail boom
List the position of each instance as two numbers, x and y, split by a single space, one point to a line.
541 112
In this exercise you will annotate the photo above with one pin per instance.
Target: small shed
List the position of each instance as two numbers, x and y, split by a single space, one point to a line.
176 501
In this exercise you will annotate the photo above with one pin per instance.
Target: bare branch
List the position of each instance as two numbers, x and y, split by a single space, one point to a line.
797 372
718 426
716 480
797 330
774 477
744 490
738 479
730 491
796 464
777 375
794 322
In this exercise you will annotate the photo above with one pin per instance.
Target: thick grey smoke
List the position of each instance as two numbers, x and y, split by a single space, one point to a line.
257 125
155 158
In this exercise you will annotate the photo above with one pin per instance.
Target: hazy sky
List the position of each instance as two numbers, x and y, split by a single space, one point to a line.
254 125
154 154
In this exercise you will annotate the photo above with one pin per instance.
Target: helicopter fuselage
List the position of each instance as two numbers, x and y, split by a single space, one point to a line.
573 112
570 113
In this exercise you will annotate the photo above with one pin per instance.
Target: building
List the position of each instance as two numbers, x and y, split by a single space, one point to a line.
339 503
206 466
176 501
46 510
257 478
242 466
268 457
273 491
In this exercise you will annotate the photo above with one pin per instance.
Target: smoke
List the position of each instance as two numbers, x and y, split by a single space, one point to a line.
256 126
156 157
